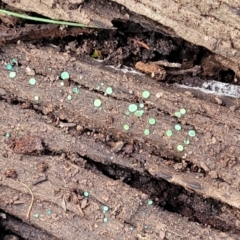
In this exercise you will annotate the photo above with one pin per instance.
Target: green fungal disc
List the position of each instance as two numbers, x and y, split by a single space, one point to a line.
12 74
105 208
169 133
139 113
177 114
182 111
126 127
146 132
145 94
9 67
7 135
49 212
98 88
32 81
36 98
86 194
152 121
14 61
36 215
191 133
141 105
69 97
132 108
105 219
75 90
109 90
97 103
127 113
186 141
178 127
180 148
65 75
150 202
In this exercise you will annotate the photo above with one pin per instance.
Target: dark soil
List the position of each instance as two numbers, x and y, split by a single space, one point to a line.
125 46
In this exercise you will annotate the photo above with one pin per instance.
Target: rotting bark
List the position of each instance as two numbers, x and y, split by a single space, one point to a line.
126 204
36 32
23 229
80 110
87 147
213 25
74 132
217 126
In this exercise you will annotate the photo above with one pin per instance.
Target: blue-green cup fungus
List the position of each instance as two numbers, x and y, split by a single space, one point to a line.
182 111
9 67
139 113
150 202
36 98
32 81
7 135
180 148
75 90
12 74
151 121
169 133
177 114
109 90
146 132
86 194
177 127
132 108
191 133
69 97
65 75
145 94
105 208
97 103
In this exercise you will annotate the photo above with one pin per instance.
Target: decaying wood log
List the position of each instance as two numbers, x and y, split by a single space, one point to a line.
54 138
23 229
216 126
128 217
212 24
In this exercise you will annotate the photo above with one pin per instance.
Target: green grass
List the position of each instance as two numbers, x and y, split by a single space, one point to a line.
45 20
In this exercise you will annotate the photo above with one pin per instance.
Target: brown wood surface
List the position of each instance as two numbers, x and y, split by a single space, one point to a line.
128 207
215 148
212 24
40 133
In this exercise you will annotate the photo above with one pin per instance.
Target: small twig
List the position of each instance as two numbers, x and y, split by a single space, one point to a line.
168 64
63 124
40 180
80 210
115 209
195 70
32 200
142 44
